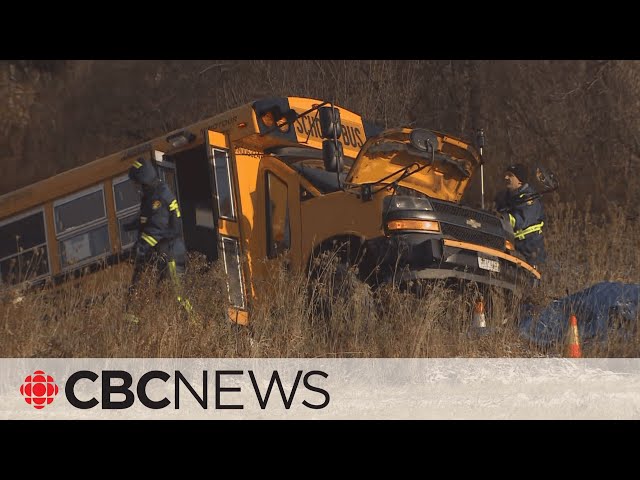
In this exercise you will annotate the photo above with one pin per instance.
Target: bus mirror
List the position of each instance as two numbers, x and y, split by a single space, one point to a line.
332 155
424 140
330 125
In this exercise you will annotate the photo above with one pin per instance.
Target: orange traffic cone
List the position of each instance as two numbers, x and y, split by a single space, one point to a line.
479 320
573 349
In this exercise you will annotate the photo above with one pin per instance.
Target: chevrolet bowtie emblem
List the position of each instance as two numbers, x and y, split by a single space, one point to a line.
473 224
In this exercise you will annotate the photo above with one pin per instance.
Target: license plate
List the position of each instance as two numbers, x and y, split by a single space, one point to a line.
488 263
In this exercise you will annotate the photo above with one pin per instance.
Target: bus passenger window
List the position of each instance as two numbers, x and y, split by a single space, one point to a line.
169 177
278 227
83 246
127 198
167 173
85 208
125 193
23 248
82 231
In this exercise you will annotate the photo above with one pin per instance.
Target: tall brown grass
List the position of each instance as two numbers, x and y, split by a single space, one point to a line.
86 318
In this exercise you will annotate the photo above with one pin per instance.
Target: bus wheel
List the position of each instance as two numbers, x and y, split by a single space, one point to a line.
337 297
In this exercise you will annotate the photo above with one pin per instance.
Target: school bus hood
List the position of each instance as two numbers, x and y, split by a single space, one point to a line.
442 170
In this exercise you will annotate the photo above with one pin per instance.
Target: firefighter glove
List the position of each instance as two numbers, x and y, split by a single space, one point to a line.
142 249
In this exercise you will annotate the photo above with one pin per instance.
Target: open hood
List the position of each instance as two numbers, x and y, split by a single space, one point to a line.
430 162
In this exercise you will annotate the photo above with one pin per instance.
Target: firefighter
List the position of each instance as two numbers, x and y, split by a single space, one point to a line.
159 226
522 204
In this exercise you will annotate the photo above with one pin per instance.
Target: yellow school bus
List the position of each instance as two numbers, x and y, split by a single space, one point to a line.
279 175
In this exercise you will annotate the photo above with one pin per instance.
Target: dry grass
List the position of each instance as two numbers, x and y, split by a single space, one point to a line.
87 319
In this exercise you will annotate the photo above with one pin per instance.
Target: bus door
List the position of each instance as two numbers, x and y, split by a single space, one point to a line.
195 197
281 192
232 237
277 242
268 218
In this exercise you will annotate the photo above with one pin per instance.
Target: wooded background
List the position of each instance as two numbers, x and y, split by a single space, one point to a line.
579 118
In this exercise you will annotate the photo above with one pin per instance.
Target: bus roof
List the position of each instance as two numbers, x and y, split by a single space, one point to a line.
239 123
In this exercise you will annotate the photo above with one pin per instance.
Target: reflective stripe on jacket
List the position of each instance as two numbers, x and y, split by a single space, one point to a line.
525 216
161 209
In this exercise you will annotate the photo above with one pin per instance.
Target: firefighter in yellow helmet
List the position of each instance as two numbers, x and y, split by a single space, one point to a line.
160 243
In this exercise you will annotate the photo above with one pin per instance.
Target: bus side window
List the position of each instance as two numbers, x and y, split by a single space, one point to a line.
168 176
23 248
166 170
278 227
127 204
82 229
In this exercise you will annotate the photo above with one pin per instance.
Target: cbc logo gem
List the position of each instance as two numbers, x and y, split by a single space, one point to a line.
39 389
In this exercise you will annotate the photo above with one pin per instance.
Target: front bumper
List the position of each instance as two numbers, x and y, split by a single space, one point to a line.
404 257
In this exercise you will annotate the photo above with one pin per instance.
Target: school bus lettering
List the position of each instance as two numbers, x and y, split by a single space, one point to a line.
306 125
246 203
359 137
351 136
307 128
224 124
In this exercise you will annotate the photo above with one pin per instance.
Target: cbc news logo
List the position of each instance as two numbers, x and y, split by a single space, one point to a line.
39 389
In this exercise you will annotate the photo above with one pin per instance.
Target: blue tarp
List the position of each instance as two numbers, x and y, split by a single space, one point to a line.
601 309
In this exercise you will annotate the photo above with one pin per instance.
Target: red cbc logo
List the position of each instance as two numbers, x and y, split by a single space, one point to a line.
39 389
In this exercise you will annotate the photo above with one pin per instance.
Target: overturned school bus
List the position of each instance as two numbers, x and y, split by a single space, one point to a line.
289 174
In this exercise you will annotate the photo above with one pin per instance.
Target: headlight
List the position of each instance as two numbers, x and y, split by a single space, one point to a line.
407 203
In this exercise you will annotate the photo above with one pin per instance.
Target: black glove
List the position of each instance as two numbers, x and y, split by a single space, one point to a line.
142 250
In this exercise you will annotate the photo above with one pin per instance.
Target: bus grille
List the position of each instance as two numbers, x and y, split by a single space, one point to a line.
470 235
451 209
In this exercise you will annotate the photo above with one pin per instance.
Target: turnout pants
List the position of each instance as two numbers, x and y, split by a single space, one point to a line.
167 260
